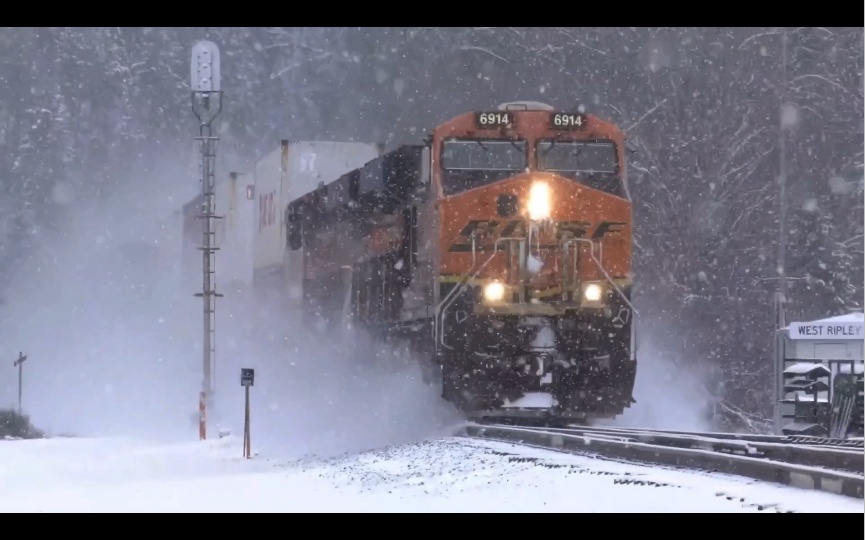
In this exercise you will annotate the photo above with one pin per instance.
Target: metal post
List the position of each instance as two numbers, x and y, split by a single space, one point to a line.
782 188
205 90
247 450
20 365
247 379
781 295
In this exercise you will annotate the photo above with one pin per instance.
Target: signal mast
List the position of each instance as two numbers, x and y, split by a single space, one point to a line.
207 105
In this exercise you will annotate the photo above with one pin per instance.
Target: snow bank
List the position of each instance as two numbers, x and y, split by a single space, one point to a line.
447 475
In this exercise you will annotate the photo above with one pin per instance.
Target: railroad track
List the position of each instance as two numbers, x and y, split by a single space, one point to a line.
802 440
784 439
647 434
773 448
773 459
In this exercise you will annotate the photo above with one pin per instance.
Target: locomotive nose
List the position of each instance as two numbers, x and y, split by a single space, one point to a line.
507 205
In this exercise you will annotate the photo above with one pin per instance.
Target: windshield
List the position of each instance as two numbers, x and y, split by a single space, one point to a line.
594 164
588 157
468 164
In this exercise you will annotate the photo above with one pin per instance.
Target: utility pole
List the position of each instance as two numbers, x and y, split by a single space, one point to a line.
207 105
782 188
20 365
781 294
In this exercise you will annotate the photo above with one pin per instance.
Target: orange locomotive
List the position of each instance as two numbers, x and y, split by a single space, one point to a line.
500 250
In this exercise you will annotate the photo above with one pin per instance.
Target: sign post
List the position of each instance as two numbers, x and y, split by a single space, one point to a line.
20 365
247 377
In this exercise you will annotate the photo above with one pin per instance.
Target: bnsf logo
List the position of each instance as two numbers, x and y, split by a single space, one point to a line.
485 231
266 210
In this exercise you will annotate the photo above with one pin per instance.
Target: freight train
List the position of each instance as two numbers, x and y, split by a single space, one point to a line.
498 251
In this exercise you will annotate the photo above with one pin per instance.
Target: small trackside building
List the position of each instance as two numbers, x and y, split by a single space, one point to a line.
818 378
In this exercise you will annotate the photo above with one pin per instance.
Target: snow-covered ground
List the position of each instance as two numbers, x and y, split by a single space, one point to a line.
444 475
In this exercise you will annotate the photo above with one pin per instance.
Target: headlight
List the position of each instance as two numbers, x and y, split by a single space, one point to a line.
592 292
539 201
494 292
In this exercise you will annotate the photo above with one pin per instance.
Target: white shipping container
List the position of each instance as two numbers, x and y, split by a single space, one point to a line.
295 169
234 232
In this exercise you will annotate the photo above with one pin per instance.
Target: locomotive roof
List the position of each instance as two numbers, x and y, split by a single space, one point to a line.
323 187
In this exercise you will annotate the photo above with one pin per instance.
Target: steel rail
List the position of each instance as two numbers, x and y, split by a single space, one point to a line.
780 439
813 456
758 468
809 440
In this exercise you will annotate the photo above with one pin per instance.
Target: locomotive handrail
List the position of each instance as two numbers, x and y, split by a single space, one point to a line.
467 277
452 296
456 291
604 270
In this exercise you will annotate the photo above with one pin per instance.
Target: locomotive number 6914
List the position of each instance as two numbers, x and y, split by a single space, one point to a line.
494 119
568 121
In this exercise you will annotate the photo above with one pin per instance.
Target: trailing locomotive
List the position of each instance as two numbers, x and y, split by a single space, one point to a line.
500 250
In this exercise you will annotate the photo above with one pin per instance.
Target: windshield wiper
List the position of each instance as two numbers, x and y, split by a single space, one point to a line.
482 145
577 155
552 144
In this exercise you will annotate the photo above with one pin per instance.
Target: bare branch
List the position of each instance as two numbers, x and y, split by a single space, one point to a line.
758 36
827 81
650 111
482 49
580 42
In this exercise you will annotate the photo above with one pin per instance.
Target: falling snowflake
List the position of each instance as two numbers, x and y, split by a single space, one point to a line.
789 115
62 193
839 185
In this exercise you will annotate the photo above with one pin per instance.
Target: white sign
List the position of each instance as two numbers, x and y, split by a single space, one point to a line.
828 330
307 162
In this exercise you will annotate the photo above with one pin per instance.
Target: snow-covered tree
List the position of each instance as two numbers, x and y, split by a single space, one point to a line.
85 110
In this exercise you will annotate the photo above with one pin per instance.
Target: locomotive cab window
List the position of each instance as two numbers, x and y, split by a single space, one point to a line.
594 163
468 164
